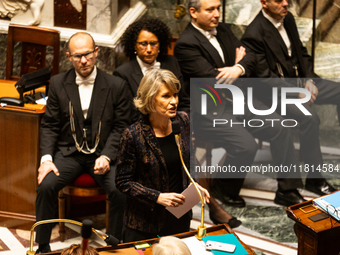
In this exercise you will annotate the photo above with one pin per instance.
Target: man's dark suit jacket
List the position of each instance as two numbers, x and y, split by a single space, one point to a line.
110 104
132 74
142 173
198 58
265 41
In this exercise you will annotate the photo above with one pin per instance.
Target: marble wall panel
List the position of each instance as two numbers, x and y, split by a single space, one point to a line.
99 16
241 12
3 52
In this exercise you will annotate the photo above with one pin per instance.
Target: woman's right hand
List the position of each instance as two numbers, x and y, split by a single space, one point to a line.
170 199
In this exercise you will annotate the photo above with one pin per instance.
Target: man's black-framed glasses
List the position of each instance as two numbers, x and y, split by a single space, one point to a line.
143 45
87 55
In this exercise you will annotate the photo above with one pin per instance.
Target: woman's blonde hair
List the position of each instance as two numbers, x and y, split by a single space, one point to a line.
170 245
75 249
149 87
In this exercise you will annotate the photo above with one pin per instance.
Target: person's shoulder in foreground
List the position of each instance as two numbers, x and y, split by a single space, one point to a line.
170 245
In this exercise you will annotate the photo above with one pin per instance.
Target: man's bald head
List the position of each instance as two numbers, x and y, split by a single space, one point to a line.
77 36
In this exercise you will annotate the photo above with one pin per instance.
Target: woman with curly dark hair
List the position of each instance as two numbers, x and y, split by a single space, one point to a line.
154 26
146 43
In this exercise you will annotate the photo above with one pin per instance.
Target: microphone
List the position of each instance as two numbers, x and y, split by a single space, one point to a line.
86 232
176 129
109 239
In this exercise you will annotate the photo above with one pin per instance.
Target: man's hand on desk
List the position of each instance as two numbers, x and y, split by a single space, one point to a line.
45 168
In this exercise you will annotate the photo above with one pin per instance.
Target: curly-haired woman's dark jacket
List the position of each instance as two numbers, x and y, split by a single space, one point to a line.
142 173
132 74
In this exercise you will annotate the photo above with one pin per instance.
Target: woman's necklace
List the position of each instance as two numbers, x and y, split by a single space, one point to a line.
164 129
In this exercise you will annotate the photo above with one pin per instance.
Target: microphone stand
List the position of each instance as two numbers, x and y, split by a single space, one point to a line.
102 235
202 229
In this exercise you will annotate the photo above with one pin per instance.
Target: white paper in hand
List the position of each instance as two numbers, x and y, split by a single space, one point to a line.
191 199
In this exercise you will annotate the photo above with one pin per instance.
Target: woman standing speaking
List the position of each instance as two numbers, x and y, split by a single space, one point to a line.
149 168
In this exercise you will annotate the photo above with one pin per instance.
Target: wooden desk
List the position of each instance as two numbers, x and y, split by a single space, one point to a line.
314 238
125 249
7 89
19 160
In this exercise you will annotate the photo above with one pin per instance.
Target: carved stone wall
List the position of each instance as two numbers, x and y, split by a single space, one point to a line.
165 11
92 15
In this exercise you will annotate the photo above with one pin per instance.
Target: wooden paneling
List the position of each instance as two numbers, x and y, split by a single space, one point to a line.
33 58
34 41
19 161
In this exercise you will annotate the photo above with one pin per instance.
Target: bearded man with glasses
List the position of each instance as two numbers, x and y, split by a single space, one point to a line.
87 111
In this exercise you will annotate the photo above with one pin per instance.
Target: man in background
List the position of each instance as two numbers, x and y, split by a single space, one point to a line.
87 111
274 38
208 48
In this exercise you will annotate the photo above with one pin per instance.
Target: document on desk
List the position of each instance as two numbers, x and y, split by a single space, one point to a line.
330 204
42 100
191 199
195 246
